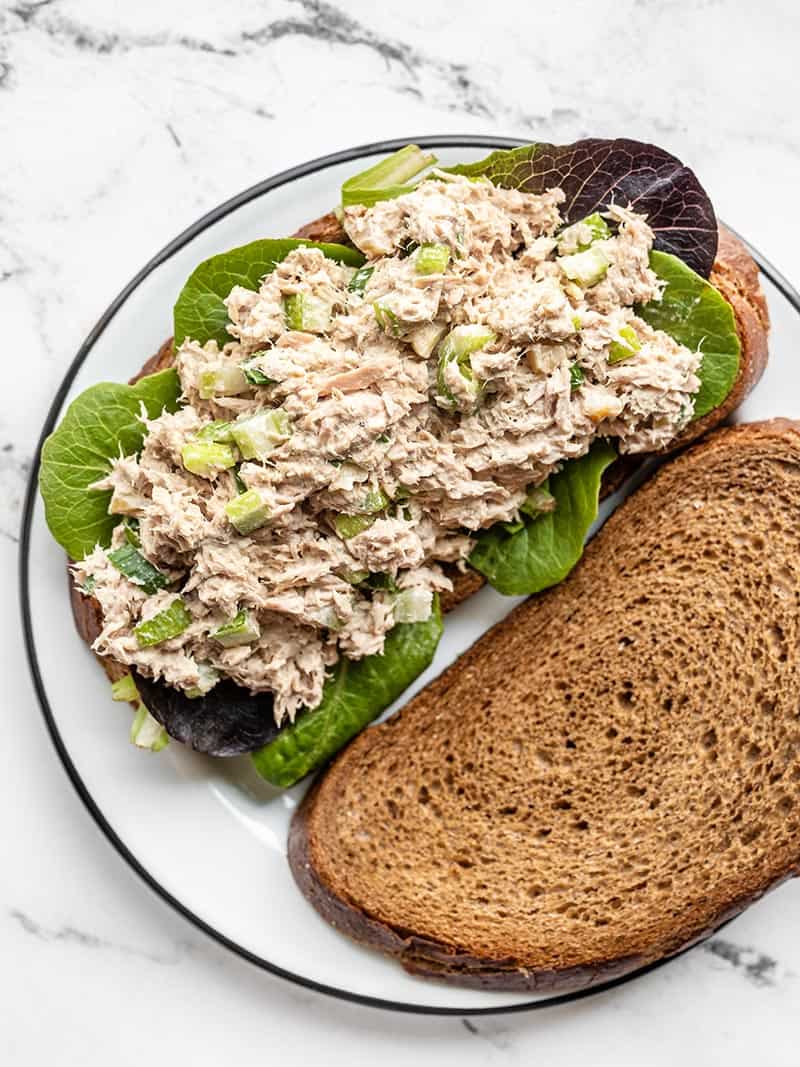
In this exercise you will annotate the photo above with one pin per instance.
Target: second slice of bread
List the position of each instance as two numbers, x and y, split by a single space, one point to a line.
610 773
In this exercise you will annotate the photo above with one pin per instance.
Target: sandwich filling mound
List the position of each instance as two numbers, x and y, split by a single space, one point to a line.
361 425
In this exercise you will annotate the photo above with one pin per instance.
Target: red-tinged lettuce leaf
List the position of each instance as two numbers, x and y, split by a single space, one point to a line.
595 172
227 721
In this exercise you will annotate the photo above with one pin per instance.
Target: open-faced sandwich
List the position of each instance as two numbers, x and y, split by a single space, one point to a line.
345 436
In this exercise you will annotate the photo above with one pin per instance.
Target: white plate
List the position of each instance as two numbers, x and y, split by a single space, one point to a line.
209 835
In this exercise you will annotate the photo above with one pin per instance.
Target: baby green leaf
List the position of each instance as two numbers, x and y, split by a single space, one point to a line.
546 549
102 423
200 312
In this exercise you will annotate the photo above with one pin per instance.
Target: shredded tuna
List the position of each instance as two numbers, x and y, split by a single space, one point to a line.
392 463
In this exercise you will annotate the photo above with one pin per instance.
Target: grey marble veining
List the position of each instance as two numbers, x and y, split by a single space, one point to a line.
120 124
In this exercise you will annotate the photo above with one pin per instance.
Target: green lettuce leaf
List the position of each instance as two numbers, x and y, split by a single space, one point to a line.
357 692
546 549
199 311
103 422
698 316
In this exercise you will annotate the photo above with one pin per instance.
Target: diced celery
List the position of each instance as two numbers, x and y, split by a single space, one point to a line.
423 339
569 240
457 347
462 341
242 629
386 319
208 677
88 585
358 283
413 605
206 459
375 500
247 512
577 323
576 376
147 732
124 689
431 259
539 501
386 179
586 268
219 432
225 380
348 526
130 562
169 623
258 435
305 312
626 345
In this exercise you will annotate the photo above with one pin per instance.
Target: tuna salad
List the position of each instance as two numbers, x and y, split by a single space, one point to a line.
363 424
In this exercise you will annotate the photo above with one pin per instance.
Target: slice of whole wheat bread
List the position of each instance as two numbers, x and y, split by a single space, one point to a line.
612 771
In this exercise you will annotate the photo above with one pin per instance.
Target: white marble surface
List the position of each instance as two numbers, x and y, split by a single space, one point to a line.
120 123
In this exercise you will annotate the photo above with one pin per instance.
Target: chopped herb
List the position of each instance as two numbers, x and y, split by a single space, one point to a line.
358 283
576 376
130 562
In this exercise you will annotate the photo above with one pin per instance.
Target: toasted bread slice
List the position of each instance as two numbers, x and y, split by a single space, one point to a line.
611 772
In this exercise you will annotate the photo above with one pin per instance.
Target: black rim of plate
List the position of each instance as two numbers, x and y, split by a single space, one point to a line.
277 180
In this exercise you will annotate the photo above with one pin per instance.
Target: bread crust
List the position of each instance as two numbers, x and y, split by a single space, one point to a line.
423 956
734 273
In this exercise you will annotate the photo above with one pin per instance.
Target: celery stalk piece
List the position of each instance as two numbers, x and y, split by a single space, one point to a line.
147 732
258 435
348 526
576 376
206 459
218 432
225 380
581 235
124 689
586 268
375 500
626 345
431 258
387 179
457 347
242 629
539 501
358 283
130 562
247 512
169 623
208 678
307 313
423 339
413 605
